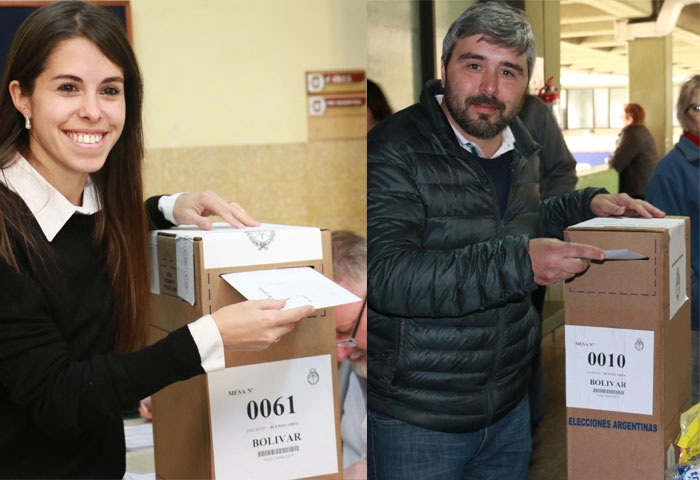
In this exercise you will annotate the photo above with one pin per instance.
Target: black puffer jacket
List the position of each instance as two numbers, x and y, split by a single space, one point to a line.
451 328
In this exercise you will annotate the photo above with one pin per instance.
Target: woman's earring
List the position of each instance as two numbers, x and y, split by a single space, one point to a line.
27 123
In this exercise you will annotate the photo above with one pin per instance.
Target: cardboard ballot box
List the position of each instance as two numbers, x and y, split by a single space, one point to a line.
627 348
269 414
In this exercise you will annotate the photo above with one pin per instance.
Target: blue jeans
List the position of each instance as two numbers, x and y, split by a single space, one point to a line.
398 450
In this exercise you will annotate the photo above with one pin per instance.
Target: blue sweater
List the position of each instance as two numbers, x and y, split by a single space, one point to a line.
674 187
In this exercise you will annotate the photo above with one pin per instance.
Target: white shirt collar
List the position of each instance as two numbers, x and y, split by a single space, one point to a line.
507 139
50 208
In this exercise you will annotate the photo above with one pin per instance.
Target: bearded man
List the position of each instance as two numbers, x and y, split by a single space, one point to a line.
458 238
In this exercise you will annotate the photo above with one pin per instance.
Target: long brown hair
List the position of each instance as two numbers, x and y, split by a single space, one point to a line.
121 226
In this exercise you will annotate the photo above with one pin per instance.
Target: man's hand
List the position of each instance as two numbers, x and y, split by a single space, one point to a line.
609 205
554 261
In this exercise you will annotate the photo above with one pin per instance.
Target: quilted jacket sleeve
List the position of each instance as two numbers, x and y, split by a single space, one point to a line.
408 280
562 211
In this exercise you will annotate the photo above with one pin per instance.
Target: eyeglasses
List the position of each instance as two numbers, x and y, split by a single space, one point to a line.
694 108
350 341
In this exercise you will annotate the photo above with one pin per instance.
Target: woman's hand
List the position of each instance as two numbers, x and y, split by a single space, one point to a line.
196 208
257 324
145 409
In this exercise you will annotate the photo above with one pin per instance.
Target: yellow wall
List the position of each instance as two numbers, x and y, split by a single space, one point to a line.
392 50
225 104
320 184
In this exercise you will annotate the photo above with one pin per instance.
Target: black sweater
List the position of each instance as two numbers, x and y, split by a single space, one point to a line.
62 386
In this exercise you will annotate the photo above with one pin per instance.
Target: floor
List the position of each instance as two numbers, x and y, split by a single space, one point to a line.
548 460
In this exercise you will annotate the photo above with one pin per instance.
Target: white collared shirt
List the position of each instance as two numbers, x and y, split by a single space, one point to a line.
52 211
50 208
353 423
507 138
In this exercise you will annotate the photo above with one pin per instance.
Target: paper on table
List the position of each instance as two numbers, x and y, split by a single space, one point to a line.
138 436
299 285
624 254
140 476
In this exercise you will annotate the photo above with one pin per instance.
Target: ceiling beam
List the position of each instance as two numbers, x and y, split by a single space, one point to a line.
663 25
586 29
588 43
623 8
600 41
576 13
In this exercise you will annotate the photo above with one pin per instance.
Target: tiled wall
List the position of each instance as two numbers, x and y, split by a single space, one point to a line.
321 184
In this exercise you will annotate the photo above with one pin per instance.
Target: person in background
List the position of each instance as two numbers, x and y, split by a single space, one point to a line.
350 272
635 153
378 107
457 241
557 176
74 267
557 164
675 187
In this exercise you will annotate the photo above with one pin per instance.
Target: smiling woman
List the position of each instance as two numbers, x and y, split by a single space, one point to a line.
76 110
74 280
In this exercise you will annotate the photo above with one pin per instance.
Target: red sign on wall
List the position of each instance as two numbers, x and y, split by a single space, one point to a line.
336 104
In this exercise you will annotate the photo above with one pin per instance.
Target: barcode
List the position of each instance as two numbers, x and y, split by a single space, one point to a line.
609 392
278 451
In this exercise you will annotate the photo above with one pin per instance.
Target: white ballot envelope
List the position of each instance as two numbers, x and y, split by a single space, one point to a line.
298 285
624 254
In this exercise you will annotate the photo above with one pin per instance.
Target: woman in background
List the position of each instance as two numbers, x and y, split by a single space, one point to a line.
674 186
378 107
74 263
635 153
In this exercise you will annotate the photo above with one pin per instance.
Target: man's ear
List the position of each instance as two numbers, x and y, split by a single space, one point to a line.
20 100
